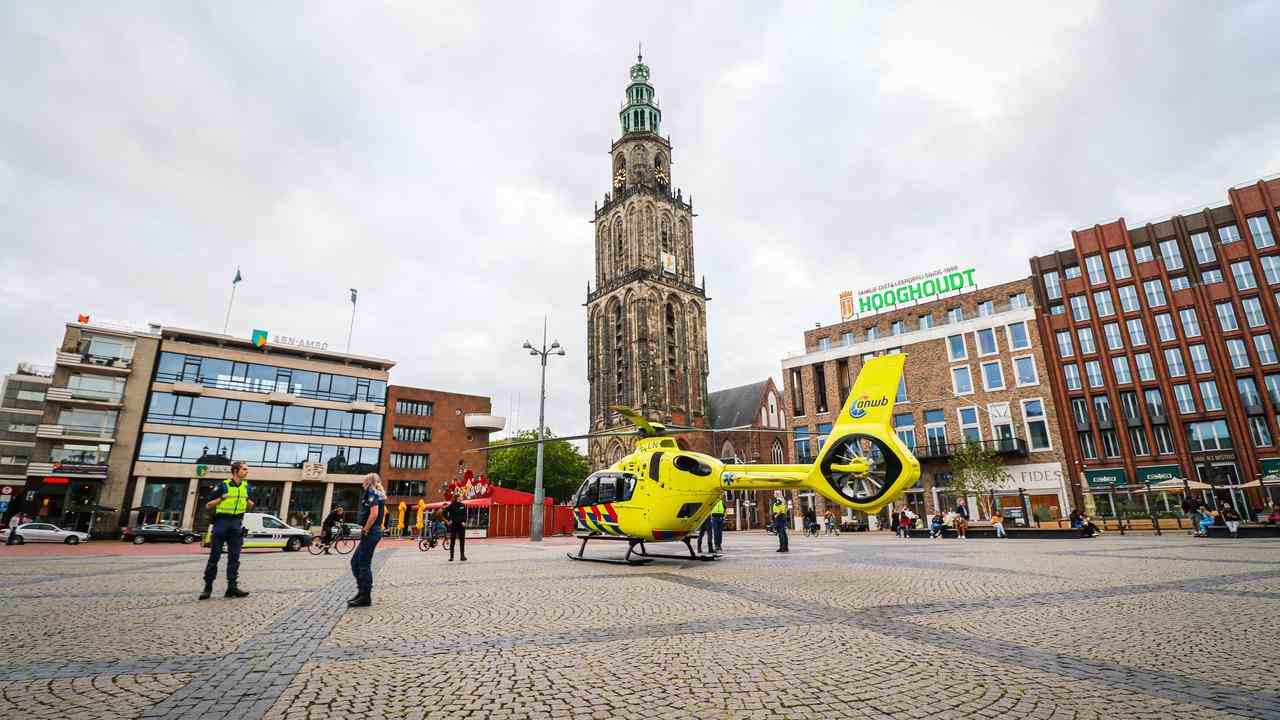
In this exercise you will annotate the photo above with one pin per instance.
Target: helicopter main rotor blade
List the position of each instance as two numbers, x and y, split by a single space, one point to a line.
521 443
636 419
740 428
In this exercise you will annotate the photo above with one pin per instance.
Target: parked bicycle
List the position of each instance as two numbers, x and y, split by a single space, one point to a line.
343 543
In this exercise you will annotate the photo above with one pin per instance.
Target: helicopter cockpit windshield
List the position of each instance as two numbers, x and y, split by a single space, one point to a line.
605 487
861 467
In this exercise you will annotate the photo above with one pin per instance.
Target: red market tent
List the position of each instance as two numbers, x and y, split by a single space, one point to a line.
509 512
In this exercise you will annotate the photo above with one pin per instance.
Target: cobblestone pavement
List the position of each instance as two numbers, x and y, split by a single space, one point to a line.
847 627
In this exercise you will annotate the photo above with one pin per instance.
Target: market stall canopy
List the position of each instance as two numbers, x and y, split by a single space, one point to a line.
498 496
1175 485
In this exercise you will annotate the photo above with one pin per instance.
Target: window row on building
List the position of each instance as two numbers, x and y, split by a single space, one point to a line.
415 407
195 449
262 378
170 409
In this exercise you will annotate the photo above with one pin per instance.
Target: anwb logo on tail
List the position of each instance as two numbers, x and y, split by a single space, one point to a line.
859 409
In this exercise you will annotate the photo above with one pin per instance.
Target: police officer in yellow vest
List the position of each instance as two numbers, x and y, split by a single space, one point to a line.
779 511
717 525
229 504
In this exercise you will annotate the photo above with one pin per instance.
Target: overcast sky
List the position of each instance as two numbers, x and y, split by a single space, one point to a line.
444 160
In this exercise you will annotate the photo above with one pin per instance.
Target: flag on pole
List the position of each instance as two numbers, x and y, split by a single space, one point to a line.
353 296
238 278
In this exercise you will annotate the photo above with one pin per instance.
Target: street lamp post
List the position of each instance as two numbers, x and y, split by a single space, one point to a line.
536 517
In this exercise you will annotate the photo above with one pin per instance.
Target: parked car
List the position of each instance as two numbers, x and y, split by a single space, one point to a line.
158 533
267 531
45 532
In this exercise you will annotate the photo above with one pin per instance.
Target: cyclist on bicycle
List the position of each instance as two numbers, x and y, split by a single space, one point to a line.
331 527
436 524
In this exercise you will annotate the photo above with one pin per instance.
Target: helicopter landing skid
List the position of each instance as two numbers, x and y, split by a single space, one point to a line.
644 552
626 560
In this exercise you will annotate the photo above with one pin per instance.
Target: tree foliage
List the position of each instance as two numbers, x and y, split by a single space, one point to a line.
563 467
977 470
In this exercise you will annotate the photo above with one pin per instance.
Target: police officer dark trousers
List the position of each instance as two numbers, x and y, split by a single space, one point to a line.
717 524
779 511
229 503
456 513
373 508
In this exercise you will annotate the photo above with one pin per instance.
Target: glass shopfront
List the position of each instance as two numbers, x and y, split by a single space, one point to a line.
347 497
306 505
169 497
66 502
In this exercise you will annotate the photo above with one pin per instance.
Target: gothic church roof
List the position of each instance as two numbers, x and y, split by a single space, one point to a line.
735 407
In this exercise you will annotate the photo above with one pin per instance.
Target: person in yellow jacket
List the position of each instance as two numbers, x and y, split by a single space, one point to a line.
778 510
229 504
717 526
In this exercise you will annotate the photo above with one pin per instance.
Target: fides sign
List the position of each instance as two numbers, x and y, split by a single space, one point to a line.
913 289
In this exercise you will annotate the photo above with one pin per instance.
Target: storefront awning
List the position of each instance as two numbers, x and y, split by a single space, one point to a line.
1106 479
1159 473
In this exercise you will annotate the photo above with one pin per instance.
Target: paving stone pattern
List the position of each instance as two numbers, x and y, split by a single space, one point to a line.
846 627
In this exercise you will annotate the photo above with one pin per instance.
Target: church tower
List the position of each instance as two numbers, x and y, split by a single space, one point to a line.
646 316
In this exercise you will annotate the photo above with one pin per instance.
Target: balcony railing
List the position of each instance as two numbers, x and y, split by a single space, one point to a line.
67 394
941 451
97 361
57 431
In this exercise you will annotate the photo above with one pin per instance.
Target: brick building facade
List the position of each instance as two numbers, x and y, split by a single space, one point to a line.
425 436
975 372
1163 353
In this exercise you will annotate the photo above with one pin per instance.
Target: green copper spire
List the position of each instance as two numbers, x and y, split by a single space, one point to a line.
640 112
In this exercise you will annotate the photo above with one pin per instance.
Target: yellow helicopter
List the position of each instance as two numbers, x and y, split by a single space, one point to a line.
662 493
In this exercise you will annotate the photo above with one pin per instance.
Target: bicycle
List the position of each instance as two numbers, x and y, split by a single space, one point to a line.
431 541
342 544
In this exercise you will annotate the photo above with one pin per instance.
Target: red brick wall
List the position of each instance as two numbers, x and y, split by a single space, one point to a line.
449 438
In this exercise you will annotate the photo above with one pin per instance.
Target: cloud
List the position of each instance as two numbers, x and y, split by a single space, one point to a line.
444 160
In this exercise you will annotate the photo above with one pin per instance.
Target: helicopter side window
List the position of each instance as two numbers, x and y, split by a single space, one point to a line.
684 463
589 491
626 487
655 464
608 489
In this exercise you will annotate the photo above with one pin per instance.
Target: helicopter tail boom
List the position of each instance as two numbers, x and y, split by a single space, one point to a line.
764 477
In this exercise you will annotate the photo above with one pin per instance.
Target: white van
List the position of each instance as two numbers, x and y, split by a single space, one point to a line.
268 531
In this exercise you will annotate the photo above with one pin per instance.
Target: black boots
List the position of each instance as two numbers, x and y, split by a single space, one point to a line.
361 600
208 590
235 592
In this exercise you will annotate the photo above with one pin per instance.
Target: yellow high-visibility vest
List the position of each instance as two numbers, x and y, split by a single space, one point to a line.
235 499
779 507
719 508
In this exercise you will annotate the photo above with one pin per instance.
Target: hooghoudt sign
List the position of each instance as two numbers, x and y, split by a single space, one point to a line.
913 289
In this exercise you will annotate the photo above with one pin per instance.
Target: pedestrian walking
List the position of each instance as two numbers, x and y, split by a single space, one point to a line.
894 517
1232 519
905 519
779 511
373 507
230 501
717 524
455 513
15 522
962 520
997 522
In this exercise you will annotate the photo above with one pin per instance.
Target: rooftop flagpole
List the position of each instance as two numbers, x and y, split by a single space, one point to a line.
227 323
352 329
